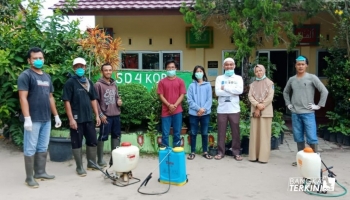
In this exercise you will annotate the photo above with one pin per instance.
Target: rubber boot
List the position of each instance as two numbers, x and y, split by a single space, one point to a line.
314 147
300 146
77 154
114 144
91 155
100 160
29 166
40 165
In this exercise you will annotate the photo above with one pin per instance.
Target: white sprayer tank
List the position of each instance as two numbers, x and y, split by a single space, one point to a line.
309 163
125 157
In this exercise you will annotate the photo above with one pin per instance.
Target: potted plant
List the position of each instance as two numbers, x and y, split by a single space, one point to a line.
244 129
60 148
213 148
335 120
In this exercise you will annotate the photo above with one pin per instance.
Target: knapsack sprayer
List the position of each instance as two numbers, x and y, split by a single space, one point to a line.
309 165
125 159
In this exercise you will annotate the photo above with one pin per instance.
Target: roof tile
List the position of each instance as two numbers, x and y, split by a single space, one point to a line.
125 4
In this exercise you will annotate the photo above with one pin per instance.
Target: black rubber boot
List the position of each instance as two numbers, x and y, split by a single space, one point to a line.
29 166
40 165
314 147
300 146
114 144
100 160
91 155
77 154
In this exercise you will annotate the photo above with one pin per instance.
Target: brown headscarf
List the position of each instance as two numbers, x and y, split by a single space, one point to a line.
260 88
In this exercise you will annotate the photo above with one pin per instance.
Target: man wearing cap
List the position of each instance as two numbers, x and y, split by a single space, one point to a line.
79 97
299 98
228 87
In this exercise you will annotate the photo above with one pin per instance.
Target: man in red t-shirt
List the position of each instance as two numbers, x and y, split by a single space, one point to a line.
171 90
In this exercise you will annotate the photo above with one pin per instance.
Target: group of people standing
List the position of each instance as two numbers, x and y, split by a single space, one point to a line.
83 100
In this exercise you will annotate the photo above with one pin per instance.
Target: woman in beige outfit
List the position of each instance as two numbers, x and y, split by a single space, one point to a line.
260 96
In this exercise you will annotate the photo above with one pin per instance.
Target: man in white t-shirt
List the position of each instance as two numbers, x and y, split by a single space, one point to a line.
228 87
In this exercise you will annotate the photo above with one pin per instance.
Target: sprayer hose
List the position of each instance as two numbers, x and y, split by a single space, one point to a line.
328 195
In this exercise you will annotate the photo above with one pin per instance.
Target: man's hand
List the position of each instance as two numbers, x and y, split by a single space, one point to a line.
290 106
119 102
172 108
256 113
104 119
260 106
28 124
98 121
73 124
312 106
58 121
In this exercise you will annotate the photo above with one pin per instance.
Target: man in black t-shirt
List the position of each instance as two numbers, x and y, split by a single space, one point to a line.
35 94
79 97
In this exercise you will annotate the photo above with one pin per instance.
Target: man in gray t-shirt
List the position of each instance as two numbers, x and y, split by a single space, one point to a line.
35 94
301 88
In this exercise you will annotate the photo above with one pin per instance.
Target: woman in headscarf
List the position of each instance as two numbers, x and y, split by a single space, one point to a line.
260 96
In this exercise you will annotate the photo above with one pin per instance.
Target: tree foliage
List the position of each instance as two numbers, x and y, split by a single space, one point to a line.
20 29
251 22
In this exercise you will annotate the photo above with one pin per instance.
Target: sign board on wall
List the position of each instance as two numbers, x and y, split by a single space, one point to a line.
149 77
310 33
206 40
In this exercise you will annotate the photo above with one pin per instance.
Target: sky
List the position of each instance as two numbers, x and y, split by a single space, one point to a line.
85 21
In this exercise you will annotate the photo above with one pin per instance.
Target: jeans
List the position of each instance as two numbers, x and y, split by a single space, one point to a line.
304 123
176 121
204 123
38 139
113 127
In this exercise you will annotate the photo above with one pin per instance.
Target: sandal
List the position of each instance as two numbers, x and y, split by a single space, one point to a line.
191 156
294 164
238 157
207 156
218 157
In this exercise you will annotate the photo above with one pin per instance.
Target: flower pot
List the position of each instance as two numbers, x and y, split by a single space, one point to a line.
333 137
320 132
281 137
60 149
245 145
346 140
326 134
340 137
213 151
182 132
274 143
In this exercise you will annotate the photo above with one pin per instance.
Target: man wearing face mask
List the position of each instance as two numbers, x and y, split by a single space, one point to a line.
35 94
228 87
79 97
171 90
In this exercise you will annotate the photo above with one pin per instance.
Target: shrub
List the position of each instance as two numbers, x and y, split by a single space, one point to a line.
137 103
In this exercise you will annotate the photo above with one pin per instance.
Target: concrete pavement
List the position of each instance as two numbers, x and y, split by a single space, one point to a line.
208 179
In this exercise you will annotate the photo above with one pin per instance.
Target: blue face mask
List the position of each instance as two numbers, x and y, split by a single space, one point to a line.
171 73
199 75
259 79
80 72
229 72
38 63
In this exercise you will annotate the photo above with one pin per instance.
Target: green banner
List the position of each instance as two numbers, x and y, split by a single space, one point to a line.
149 77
